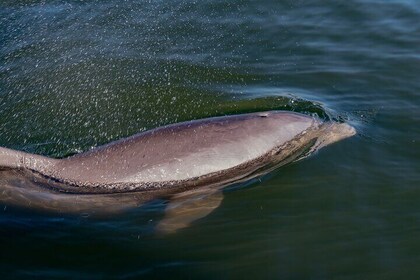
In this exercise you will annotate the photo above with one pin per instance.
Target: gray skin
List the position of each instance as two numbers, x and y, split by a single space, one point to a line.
171 161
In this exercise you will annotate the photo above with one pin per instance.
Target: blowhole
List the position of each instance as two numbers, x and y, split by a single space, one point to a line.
263 115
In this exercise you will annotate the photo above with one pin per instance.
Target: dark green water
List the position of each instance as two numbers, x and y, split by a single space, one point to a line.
76 74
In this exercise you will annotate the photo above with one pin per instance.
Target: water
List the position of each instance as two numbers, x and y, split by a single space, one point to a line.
77 74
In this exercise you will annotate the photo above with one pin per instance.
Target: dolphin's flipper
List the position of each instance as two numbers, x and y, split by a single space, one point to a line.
183 209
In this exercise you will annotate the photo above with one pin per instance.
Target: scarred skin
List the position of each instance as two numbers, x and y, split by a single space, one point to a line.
212 152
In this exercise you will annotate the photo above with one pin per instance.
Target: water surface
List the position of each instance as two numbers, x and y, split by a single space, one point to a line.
77 74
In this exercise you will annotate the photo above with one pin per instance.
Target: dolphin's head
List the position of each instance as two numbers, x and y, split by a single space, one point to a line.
331 132
327 132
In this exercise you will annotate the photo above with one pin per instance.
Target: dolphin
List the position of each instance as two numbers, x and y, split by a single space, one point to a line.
189 163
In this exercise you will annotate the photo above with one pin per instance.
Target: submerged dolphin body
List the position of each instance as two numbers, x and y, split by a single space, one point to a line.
180 161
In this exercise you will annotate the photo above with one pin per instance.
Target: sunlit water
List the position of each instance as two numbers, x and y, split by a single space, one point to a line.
77 74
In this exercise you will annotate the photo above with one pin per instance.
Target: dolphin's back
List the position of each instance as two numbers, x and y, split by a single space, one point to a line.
184 151
12 159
